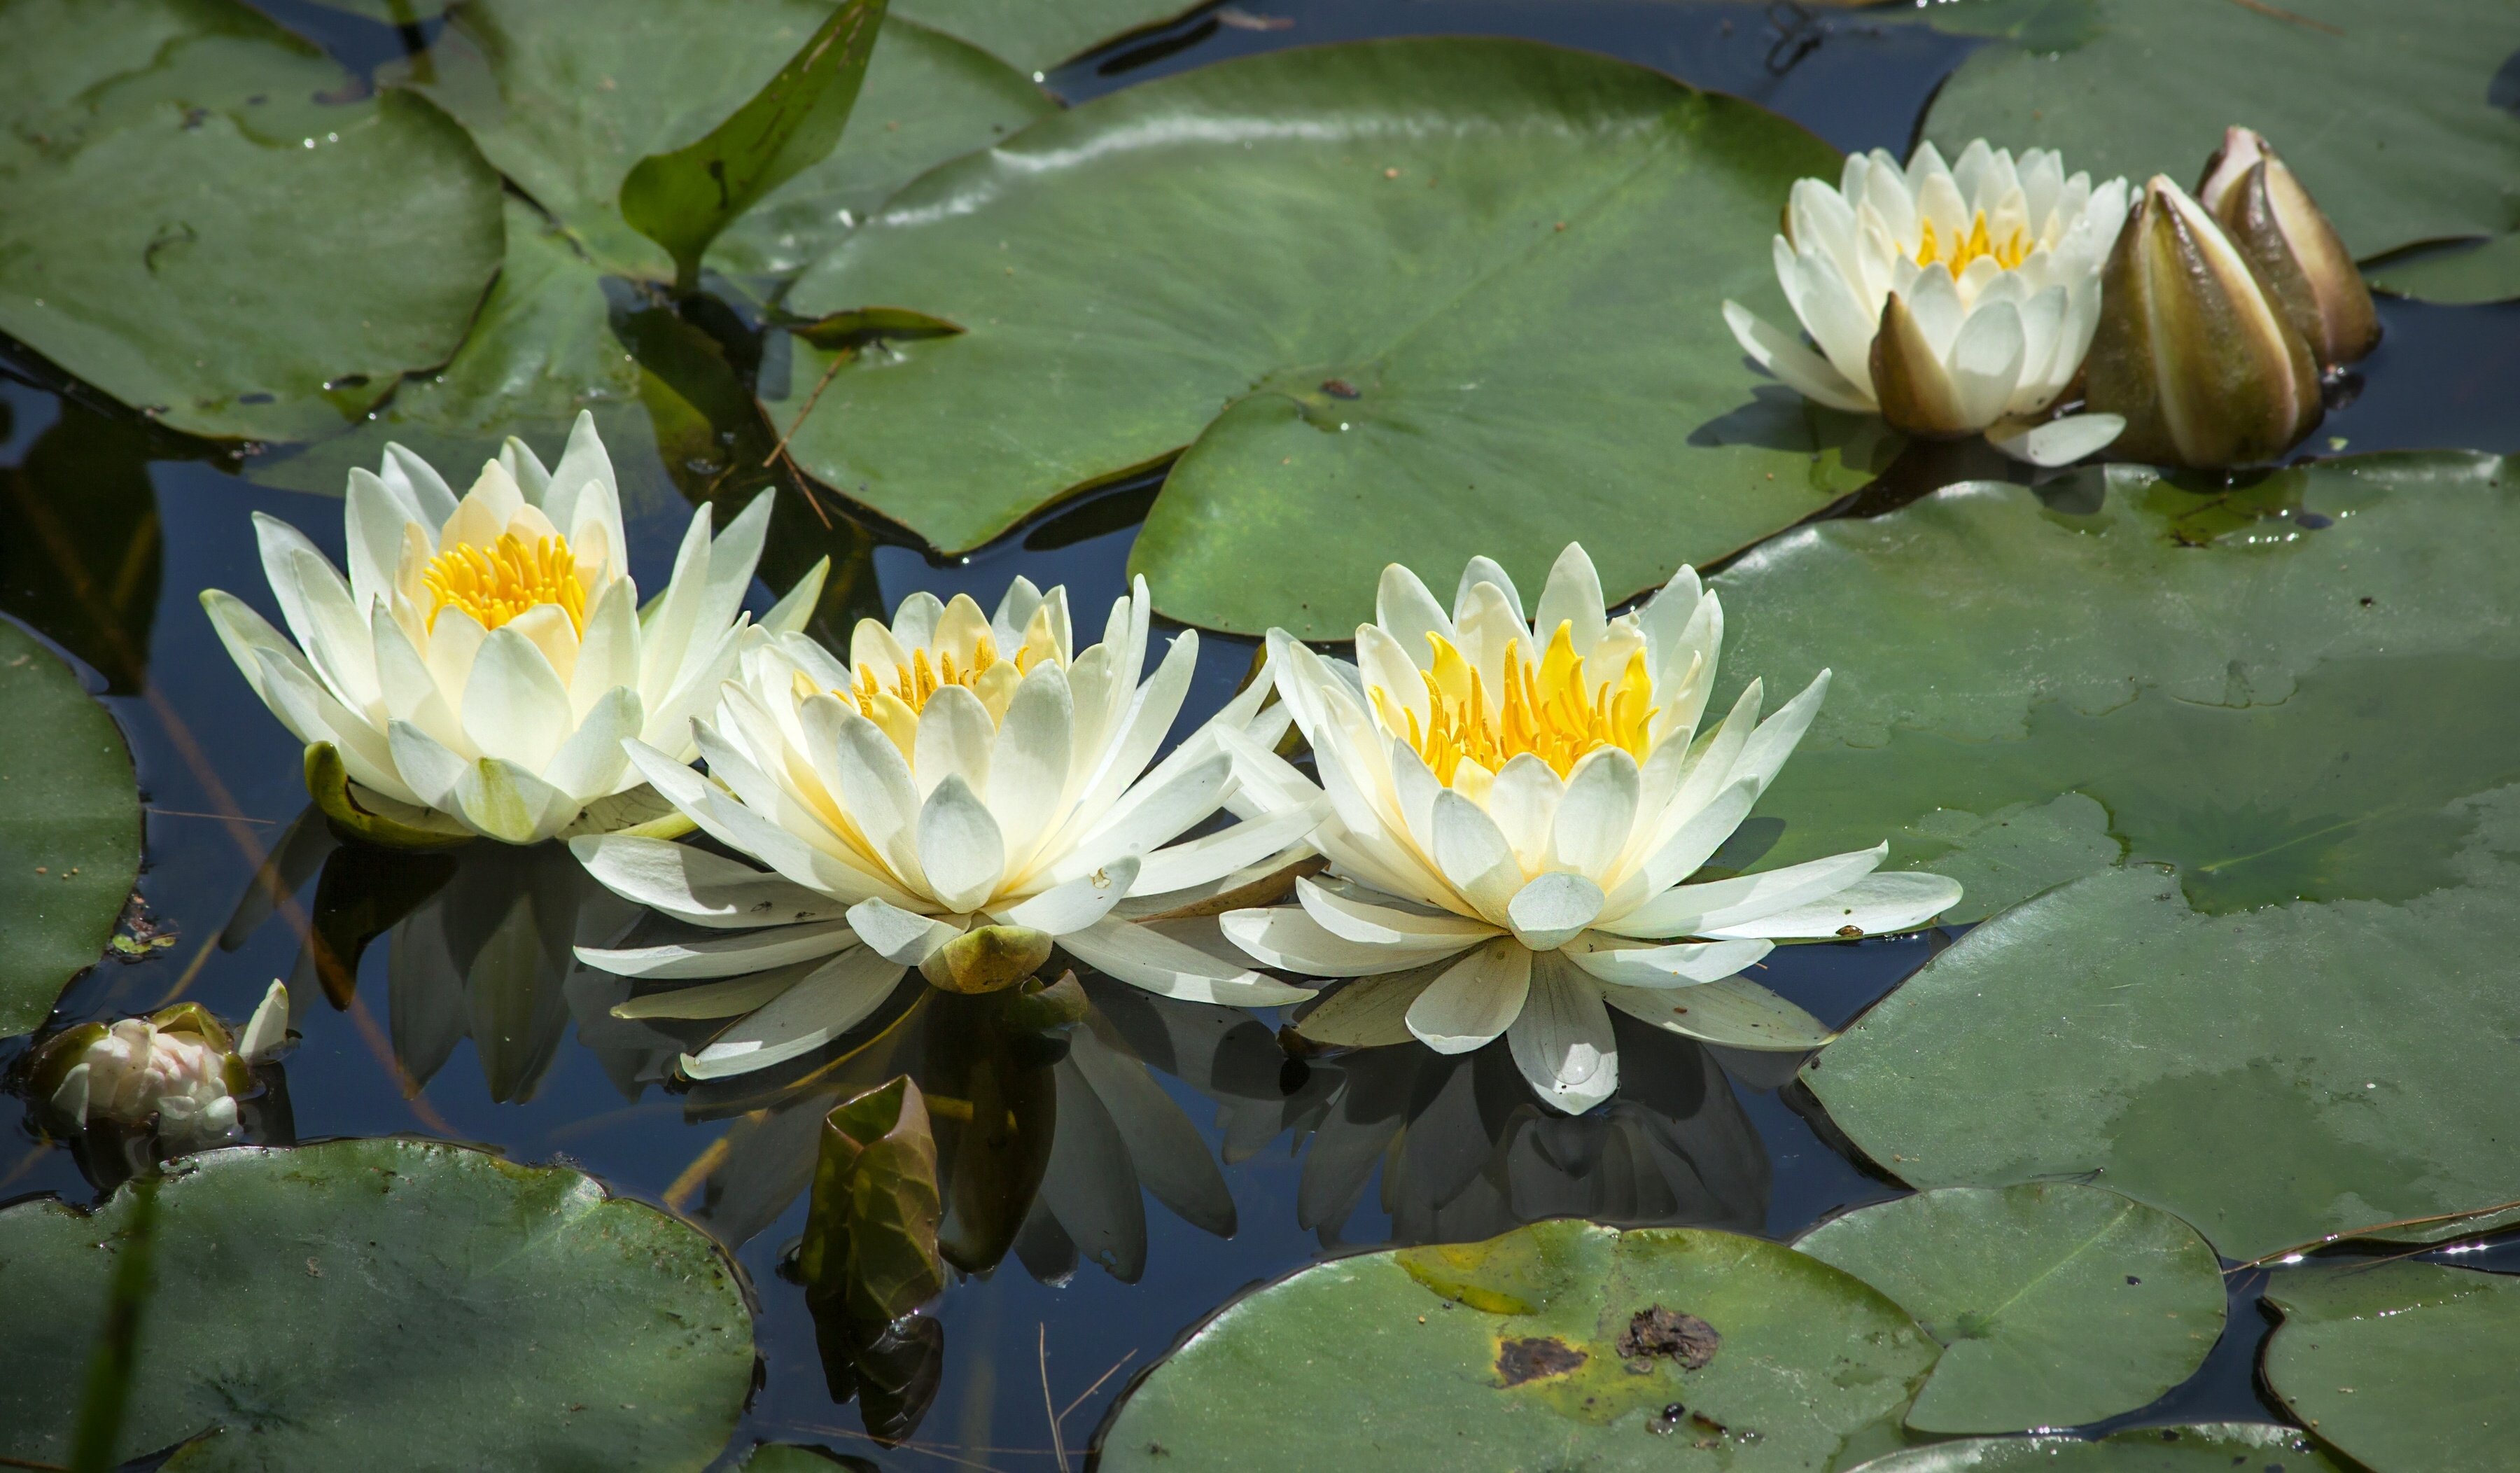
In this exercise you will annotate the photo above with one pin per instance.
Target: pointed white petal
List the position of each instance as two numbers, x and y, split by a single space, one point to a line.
1475 999
802 1020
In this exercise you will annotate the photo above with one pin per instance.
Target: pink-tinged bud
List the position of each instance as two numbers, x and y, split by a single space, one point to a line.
2286 240
2191 348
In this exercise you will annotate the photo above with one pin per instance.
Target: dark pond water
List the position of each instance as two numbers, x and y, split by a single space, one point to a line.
1191 1157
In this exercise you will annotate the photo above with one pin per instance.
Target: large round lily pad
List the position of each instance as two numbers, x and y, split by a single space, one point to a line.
565 96
69 830
1394 288
2115 667
2430 157
2205 1447
389 1303
2272 1076
2056 1304
2409 1367
1557 1344
214 223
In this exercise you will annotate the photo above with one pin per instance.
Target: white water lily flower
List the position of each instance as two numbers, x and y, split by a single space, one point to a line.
959 773
1511 836
184 1080
1950 300
485 657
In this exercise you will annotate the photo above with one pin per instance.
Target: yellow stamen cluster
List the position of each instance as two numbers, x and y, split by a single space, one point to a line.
504 581
2009 253
913 685
1550 710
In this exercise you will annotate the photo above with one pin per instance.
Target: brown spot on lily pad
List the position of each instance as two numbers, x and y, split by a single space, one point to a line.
1656 1332
1520 1360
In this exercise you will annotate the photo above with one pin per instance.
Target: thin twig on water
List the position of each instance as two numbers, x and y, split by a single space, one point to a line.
1050 1409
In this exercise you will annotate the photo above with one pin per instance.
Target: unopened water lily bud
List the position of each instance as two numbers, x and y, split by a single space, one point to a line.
177 1068
2296 253
2191 349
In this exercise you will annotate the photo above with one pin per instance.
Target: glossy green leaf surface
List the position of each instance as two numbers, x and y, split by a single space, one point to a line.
69 830
1521 1351
2280 690
384 1303
2409 1367
215 224
683 199
2152 88
565 96
1035 35
2484 270
871 1233
2056 1304
2272 1076
2203 1448
1406 317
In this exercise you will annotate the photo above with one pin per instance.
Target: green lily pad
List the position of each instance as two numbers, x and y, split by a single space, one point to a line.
214 223
2273 1077
1407 318
2408 1367
2056 1304
2203 1448
1035 35
2483 271
788 1457
2119 668
565 96
69 830
386 1303
2152 88
1557 1345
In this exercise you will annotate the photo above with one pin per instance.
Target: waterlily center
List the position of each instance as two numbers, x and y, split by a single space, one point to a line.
505 580
895 705
1550 709
1963 252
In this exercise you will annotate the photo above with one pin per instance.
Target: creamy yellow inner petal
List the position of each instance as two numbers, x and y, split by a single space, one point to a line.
500 582
895 705
1551 709
1958 254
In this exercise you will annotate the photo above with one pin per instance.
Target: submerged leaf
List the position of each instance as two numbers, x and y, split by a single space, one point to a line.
870 1243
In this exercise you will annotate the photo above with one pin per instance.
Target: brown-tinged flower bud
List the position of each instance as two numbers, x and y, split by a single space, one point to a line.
2190 347
2280 230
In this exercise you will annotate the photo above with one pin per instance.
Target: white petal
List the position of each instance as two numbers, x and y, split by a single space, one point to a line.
1571 597
1985 362
1154 813
692 884
1876 905
432 769
1553 910
732 997
1475 999
1524 805
1798 368
1734 1012
2059 442
504 801
1079 903
1210 856
1474 856
1030 759
514 706
1144 957
955 735
1286 938
608 654
903 936
1405 609
591 763
1357 919
805 1017
1683 909
266 1033
1561 1039
418 481
1663 966
959 846
1487 570
1597 815
722 956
